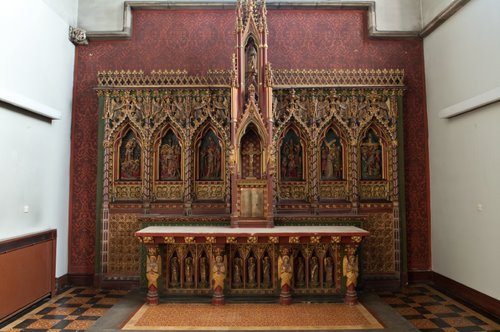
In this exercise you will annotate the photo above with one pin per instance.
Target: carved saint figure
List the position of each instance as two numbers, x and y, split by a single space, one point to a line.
174 271
252 59
237 271
203 271
350 270
285 270
291 158
188 270
266 271
251 271
153 265
210 160
300 271
218 272
328 271
130 163
371 157
314 271
170 159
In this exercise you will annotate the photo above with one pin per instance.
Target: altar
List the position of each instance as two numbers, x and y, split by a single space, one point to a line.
251 180
282 260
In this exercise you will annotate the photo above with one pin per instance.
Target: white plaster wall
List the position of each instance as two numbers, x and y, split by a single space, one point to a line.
391 15
461 61
432 8
36 63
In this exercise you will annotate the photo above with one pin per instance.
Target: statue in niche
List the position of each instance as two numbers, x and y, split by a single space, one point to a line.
251 67
174 272
210 158
250 151
251 271
300 271
170 158
203 271
266 271
188 271
350 270
285 268
237 272
331 157
252 59
130 153
291 157
328 263
371 157
314 271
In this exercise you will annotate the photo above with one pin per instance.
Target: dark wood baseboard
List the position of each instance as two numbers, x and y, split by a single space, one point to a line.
85 280
469 296
62 283
415 277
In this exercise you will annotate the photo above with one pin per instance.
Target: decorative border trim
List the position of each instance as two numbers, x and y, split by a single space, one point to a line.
126 32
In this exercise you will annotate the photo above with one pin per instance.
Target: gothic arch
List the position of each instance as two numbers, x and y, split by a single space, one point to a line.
292 153
128 152
168 147
210 139
333 153
374 156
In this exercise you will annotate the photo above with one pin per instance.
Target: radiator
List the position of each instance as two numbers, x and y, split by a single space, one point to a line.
27 271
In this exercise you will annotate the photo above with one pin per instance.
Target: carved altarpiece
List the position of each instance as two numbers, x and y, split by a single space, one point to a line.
250 146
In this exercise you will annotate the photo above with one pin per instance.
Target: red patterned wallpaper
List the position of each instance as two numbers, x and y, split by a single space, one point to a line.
198 40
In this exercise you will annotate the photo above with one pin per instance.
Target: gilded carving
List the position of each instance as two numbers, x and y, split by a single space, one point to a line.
153 267
315 239
210 239
189 239
127 192
274 239
122 251
293 239
169 239
169 192
377 190
210 191
337 190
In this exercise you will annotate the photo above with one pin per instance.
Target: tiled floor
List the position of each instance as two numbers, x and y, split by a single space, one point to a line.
79 308
430 310
75 310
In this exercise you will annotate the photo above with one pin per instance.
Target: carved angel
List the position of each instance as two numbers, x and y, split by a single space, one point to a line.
219 265
285 269
350 270
153 266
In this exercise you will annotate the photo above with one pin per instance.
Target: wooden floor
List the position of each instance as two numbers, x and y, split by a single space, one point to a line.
79 308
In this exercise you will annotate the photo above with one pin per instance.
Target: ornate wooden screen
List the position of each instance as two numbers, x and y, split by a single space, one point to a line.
244 146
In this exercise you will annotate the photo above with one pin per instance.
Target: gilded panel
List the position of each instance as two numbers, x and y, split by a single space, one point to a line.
171 191
335 190
378 249
293 190
374 190
210 191
127 191
123 257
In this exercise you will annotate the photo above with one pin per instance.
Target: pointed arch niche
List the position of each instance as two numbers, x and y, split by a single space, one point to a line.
251 154
292 166
373 163
168 166
128 165
333 165
209 165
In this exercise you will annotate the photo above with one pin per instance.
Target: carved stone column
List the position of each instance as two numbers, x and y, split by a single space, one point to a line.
153 272
285 273
219 273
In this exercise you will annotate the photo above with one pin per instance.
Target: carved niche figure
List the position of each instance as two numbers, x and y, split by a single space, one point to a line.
291 157
251 155
285 269
170 158
130 155
328 271
251 65
314 271
203 271
251 271
331 157
210 157
153 265
300 271
266 271
371 157
174 271
188 271
237 272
